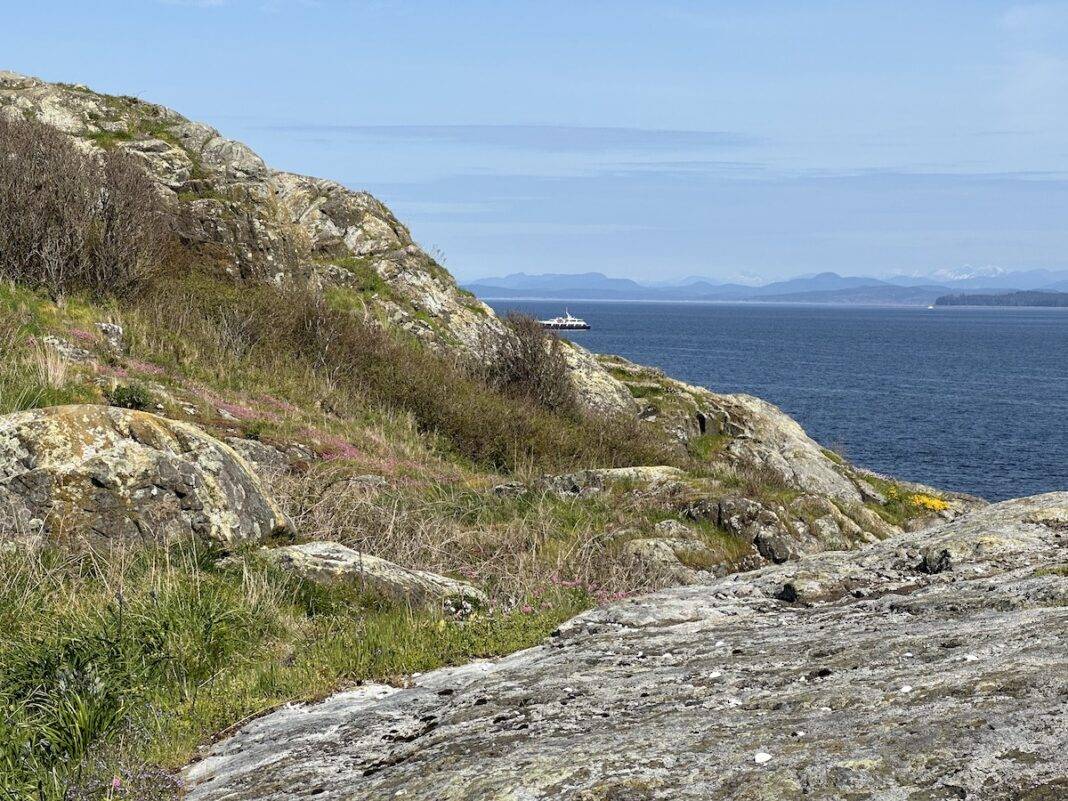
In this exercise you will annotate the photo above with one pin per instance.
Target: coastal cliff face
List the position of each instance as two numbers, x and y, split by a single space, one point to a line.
927 666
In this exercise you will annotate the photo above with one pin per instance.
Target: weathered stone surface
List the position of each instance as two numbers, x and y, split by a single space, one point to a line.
595 480
875 679
660 558
118 473
595 389
331 561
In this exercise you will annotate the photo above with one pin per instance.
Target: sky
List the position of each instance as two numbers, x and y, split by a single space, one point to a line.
649 140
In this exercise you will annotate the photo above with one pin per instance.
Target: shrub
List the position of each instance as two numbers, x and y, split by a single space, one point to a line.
73 221
530 364
131 396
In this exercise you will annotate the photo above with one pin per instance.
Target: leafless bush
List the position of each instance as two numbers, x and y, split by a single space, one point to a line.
72 221
530 363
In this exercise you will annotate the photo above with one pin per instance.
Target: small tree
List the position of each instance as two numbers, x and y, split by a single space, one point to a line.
531 363
72 220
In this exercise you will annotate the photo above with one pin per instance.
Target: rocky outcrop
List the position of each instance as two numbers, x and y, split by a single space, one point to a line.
121 474
261 223
757 439
927 666
666 558
595 388
329 562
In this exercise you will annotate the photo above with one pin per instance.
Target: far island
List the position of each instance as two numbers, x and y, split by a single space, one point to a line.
1007 299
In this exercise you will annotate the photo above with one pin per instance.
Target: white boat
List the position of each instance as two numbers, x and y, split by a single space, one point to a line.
565 323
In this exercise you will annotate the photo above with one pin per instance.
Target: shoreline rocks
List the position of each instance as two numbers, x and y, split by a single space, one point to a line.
872 678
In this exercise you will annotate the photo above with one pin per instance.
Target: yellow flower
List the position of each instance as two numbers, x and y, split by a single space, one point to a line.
929 502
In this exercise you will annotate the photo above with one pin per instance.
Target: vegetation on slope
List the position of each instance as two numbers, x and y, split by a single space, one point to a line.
116 663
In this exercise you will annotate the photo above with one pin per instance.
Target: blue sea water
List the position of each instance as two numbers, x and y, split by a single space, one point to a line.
968 399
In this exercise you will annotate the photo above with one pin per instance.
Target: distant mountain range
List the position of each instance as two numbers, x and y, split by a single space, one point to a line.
825 287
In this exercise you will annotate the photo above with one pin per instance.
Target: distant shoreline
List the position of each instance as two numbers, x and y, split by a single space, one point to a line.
1026 300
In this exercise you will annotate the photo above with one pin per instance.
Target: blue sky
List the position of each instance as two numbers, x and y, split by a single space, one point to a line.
643 139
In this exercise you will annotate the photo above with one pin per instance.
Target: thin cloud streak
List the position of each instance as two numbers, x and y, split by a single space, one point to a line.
537 138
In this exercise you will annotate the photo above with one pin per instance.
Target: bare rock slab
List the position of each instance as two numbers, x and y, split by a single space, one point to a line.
878 679
125 474
330 561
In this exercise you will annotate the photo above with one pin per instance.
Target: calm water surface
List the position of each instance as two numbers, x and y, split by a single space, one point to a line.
974 400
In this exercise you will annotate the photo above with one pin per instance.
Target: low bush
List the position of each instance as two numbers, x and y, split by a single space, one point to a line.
131 396
72 221
529 363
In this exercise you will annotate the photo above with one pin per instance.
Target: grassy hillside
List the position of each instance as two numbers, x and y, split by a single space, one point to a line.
118 662
117 659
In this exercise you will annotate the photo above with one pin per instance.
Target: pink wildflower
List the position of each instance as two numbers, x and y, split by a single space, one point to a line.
145 367
527 609
82 335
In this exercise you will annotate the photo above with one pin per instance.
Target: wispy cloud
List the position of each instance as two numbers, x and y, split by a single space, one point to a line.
268 6
195 3
536 138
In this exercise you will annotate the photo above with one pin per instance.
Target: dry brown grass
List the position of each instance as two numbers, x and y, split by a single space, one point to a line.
50 366
513 547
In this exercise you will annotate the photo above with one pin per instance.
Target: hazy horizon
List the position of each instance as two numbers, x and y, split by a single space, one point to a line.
647 141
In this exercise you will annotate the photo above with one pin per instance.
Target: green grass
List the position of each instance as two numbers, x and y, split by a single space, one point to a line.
109 139
30 376
122 663
642 391
834 456
706 446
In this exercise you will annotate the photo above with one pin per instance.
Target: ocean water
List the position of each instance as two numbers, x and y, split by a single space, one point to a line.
974 400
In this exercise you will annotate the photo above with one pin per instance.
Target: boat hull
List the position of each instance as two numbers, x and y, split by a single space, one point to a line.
565 326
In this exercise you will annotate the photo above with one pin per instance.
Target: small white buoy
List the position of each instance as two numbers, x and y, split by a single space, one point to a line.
761 757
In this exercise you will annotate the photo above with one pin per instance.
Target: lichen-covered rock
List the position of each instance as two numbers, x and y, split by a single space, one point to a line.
839 676
595 480
595 388
124 474
758 439
332 562
659 558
